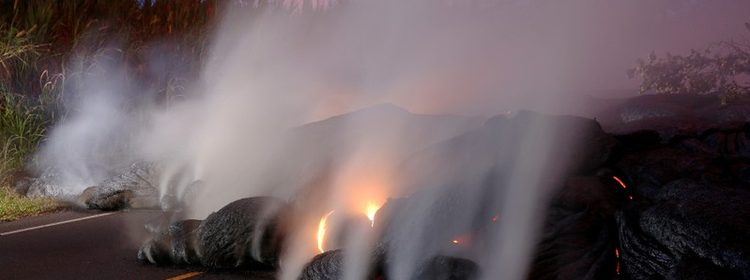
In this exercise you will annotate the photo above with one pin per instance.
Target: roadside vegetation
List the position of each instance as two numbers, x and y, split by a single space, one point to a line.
47 46
14 206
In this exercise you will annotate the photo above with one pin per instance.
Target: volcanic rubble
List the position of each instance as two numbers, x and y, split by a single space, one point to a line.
636 205
133 186
662 194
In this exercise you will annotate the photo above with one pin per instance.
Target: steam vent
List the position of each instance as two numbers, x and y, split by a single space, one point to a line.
375 139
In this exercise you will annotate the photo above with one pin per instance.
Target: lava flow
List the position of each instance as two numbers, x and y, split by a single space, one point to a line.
322 231
464 240
622 184
370 211
617 259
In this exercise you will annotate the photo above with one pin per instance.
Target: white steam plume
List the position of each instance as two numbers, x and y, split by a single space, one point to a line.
271 72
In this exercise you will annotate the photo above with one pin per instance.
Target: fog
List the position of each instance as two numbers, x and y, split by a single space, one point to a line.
270 72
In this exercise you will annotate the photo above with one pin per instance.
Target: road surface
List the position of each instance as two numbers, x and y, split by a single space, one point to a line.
89 245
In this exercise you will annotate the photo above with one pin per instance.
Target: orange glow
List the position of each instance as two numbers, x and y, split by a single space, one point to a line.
322 231
370 211
620 181
364 186
617 268
463 240
617 264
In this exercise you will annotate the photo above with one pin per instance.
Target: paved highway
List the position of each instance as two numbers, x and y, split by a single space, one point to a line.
89 245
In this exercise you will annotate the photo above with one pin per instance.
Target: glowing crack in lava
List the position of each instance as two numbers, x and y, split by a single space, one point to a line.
622 184
617 259
322 231
464 239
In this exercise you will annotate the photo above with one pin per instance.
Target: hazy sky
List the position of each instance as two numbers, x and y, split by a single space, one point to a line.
535 47
596 41
605 37
266 76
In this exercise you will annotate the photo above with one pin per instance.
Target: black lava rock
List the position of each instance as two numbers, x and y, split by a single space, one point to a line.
106 199
328 265
689 219
175 245
577 240
447 268
245 232
132 188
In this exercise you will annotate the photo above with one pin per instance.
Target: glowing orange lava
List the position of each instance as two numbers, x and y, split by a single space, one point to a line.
622 184
463 240
322 231
617 259
370 211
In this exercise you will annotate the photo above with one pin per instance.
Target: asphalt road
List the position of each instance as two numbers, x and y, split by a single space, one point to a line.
89 245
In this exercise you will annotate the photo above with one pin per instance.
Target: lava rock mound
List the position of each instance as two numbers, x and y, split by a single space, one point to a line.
244 233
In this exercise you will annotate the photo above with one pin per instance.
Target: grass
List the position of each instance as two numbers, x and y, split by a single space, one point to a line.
22 127
47 46
14 206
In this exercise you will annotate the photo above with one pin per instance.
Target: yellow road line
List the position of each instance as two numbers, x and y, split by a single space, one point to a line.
186 275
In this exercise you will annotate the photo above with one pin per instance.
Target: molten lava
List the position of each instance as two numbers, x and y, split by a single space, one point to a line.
370 211
622 184
617 259
464 239
322 231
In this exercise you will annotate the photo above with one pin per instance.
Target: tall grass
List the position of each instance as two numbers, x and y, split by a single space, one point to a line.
39 40
22 127
14 206
21 124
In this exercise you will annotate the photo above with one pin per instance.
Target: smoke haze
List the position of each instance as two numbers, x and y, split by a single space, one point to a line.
242 131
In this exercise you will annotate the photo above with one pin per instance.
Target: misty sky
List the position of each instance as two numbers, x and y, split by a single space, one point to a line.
516 53
601 39
596 41
513 54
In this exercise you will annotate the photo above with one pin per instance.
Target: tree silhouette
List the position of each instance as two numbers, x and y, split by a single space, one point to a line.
722 69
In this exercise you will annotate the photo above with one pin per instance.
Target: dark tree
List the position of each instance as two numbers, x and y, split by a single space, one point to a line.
722 69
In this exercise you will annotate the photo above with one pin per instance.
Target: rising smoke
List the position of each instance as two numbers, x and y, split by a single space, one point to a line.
240 132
